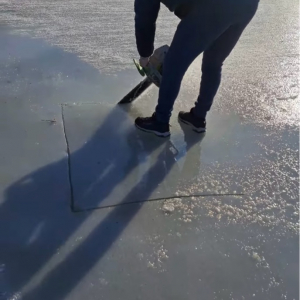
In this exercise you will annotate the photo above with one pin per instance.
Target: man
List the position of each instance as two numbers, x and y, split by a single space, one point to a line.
209 26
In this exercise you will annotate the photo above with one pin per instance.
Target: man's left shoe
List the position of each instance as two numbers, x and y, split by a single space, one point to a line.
198 124
151 125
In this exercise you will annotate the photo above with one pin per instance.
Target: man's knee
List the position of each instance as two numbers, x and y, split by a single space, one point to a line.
211 66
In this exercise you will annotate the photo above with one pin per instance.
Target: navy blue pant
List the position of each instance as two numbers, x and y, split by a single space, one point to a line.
214 27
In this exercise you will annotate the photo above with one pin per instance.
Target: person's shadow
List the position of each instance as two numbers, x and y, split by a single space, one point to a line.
34 216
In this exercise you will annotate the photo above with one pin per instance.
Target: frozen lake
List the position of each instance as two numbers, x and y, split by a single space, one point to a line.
83 213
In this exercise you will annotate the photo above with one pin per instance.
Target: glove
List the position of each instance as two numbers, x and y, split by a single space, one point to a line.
144 61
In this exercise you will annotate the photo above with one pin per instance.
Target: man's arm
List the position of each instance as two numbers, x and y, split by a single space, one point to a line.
146 12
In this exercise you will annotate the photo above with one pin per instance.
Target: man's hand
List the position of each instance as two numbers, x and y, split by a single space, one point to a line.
144 61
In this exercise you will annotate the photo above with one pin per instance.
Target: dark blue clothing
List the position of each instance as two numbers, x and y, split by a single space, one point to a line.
212 26
146 12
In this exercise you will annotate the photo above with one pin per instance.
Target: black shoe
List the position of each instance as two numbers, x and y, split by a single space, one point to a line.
198 124
151 125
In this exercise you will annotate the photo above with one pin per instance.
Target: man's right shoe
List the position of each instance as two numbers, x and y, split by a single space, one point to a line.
152 125
198 124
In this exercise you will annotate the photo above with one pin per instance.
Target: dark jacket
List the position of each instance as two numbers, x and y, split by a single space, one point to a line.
146 12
